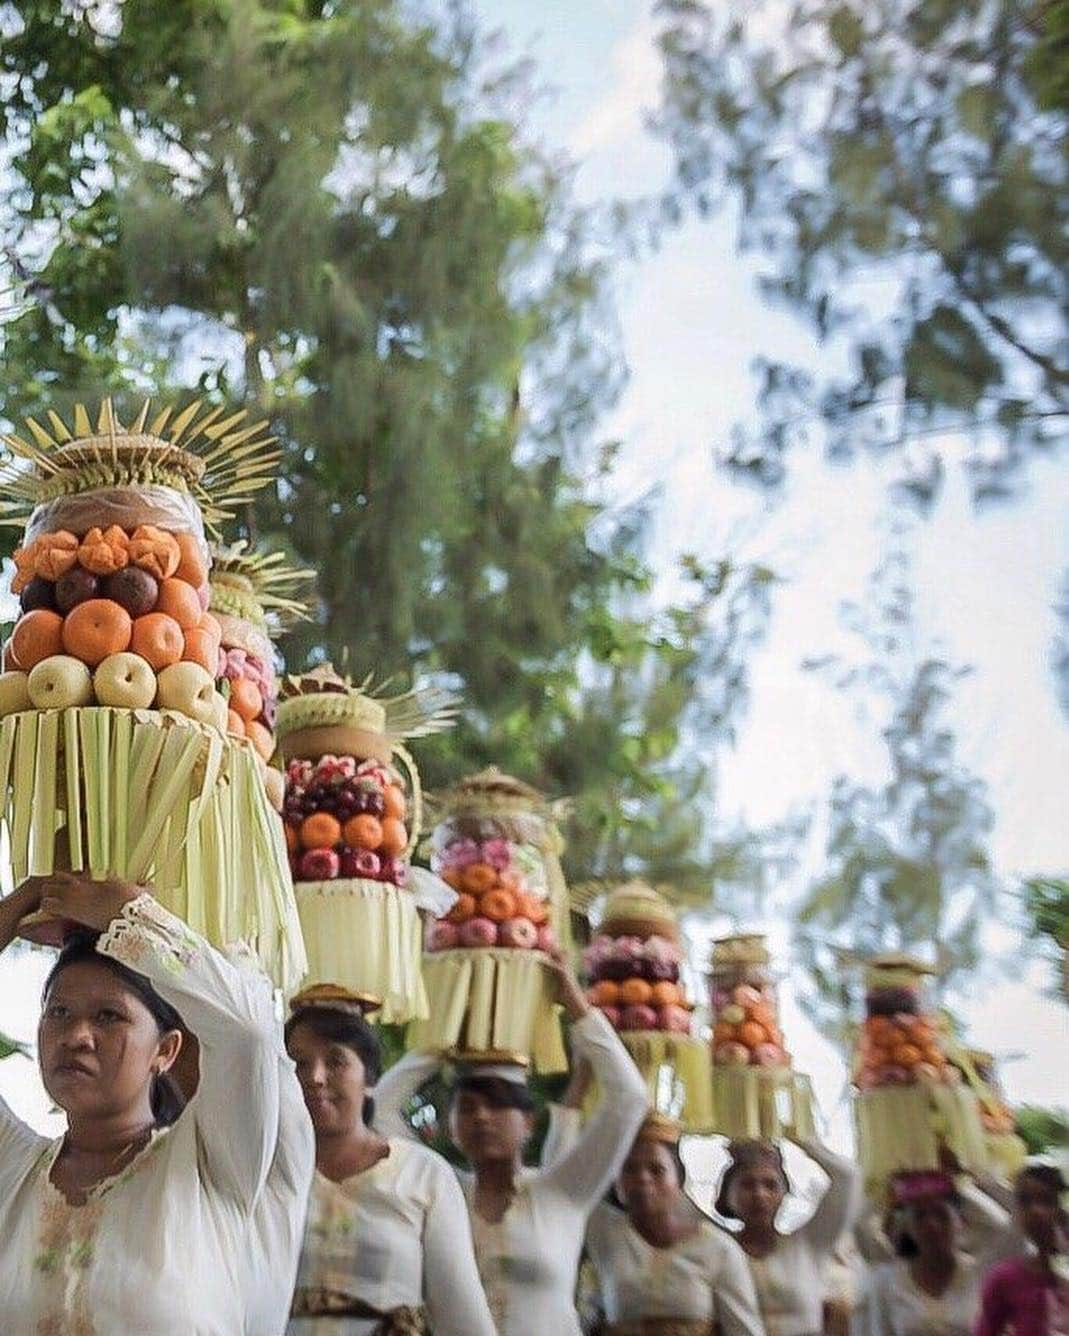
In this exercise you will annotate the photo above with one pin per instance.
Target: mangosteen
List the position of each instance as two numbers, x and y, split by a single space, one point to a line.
38 594
77 586
133 589
617 970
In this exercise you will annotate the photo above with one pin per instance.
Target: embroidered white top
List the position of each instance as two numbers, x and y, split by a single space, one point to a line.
528 1261
161 1248
395 1236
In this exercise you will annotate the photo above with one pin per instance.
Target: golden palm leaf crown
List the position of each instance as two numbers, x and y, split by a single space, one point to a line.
259 586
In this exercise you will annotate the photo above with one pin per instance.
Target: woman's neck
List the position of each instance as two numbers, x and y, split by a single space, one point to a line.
662 1226
497 1175
109 1135
759 1237
342 1154
933 1271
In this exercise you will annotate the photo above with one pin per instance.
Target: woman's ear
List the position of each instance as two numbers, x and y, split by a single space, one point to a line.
168 1051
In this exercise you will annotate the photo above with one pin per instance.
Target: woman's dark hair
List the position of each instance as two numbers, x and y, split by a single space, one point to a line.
744 1154
344 1027
1048 1176
498 1091
166 1099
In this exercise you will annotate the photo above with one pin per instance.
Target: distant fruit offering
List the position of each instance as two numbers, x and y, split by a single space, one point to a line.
635 982
502 887
746 1028
900 1042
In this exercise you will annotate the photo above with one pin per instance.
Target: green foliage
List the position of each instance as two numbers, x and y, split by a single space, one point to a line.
331 212
909 196
1047 909
9 1047
908 866
1042 1130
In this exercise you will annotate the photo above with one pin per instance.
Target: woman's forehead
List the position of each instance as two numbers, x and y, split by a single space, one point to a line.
86 980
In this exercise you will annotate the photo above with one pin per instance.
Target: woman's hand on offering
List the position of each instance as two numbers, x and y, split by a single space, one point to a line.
84 901
569 991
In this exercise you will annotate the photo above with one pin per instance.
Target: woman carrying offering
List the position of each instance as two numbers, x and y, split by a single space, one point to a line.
138 1217
1029 1296
388 1244
528 1224
788 1269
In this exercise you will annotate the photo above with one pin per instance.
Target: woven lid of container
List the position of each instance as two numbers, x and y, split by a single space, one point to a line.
334 997
634 906
896 968
323 698
740 948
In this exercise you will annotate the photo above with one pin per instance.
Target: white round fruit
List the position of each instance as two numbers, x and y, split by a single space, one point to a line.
14 693
275 785
59 683
126 681
189 689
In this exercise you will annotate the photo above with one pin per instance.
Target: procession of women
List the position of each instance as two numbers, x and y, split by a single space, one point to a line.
248 896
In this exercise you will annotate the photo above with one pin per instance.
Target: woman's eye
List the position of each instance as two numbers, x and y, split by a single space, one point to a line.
107 1014
55 1012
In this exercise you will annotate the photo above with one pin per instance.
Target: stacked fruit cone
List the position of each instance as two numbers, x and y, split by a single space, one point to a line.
635 983
345 818
115 617
746 1028
501 897
900 1043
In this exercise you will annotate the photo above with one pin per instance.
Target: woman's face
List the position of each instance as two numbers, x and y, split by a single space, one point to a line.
933 1226
757 1192
485 1133
333 1081
1039 1213
98 1044
649 1180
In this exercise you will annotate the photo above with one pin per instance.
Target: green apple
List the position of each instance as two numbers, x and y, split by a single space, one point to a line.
189 689
126 681
60 682
14 694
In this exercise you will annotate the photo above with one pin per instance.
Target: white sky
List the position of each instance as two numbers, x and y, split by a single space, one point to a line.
692 322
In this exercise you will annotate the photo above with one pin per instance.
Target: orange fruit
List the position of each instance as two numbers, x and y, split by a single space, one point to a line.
210 626
363 831
478 878
158 639
320 831
293 842
723 1034
179 600
751 1034
394 836
666 994
246 699
235 724
452 876
200 648
530 906
155 550
763 1014
37 635
394 797
96 628
192 563
605 993
463 910
907 1055
54 554
25 559
261 738
635 993
498 905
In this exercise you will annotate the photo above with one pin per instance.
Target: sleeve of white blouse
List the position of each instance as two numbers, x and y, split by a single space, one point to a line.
737 1313
992 1234
17 1139
395 1091
586 1171
841 1202
452 1290
565 1126
236 1107
872 1314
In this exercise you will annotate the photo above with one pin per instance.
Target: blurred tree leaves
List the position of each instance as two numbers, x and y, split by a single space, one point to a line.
1047 907
902 169
333 213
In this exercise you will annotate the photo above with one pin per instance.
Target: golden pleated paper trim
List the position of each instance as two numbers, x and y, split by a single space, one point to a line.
152 796
768 1102
491 998
900 1129
366 936
673 1066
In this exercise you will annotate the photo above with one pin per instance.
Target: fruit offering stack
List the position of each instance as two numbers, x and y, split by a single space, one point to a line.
996 1115
256 597
502 896
746 1029
114 617
900 1043
346 818
636 984
351 825
116 755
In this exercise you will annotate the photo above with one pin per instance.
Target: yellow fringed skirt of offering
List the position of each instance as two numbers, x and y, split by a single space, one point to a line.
678 1072
902 1128
765 1102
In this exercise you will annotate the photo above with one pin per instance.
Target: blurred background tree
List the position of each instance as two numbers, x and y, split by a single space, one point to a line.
1043 1130
334 213
1047 910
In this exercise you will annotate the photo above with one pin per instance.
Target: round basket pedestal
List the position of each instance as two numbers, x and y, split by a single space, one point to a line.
366 936
153 797
491 998
766 1102
903 1128
677 1069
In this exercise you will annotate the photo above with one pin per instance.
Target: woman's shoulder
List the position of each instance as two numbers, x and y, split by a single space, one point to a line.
1008 1272
411 1160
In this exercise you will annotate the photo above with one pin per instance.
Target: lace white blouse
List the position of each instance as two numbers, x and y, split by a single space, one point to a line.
163 1247
528 1261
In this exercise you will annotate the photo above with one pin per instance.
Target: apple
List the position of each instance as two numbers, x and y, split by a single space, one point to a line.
76 586
39 593
275 786
126 681
14 694
745 996
189 689
769 1055
519 933
612 1015
927 1071
59 682
133 589
394 869
235 664
732 1014
442 936
674 1018
638 1017
731 1054
318 865
478 931
547 938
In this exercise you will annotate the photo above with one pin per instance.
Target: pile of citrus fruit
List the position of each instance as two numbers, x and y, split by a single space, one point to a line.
900 1044
502 898
746 1030
345 818
635 983
115 618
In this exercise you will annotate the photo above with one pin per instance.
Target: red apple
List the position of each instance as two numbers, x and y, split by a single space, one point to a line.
319 865
639 1017
674 1018
769 1055
478 932
519 933
612 1015
547 938
394 870
442 936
